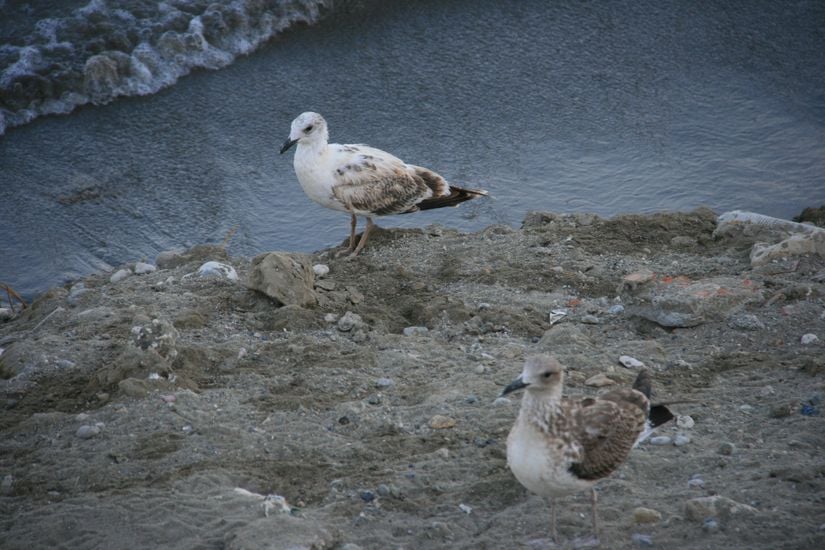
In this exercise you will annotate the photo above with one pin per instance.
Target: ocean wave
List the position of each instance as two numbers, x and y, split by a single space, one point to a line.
54 60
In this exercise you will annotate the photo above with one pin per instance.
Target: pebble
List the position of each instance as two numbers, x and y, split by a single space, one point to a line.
661 440
746 321
87 432
76 292
630 362
783 410
681 440
6 313
331 318
684 421
471 399
348 321
727 448
218 269
119 275
808 339
501 401
696 482
383 490
479 369
747 409
641 539
374 399
590 320
615 309
320 270
441 422
384 383
367 496
599 381
646 515
141 268
466 509
416 331
710 525
6 485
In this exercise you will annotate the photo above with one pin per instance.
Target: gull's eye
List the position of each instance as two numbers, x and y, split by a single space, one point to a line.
308 129
548 374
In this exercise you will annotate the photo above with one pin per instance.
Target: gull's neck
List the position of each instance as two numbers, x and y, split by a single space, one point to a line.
540 408
313 147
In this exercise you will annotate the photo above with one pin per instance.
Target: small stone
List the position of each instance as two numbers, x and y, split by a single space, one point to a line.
747 409
119 275
6 485
661 440
331 318
696 482
440 422
615 309
630 362
479 369
681 440
416 331
218 269
320 270
642 539
348 321
367 496
374 399
471 399
783 410
710 525
697 509
727 448
384 383
746 321
646 515
484 305
684 421
325 284
87 432
383 490
142 268
765 391
466 509
501 401
590 320
6 314
599 381
638 278
808 339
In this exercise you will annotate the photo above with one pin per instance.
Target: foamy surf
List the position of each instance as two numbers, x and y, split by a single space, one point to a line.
54 62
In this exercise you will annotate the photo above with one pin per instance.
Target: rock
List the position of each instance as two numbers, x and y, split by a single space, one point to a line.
679 302
683 241
745 321
599 381
615 309
808 339
637 279
287 278
416 331
681 440
170 259
119 275
6 314
696 482
76 292
134 387
142 268
7 485
383 383
697 509
590 320
87 432
218 270
350 321
661 440
158 335
646 515
684 421
641 539
796 245
440 422
320 270
710 525
782 410
366 495
502 401
630 362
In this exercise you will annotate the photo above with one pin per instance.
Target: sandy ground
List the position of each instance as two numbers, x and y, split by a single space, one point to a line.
160 410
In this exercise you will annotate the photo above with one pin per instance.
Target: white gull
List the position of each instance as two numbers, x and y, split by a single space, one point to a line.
362 180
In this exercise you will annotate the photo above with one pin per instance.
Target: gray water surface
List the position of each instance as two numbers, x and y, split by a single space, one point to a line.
608 107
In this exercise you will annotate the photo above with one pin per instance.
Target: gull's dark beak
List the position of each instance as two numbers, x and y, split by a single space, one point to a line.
516 384
287 144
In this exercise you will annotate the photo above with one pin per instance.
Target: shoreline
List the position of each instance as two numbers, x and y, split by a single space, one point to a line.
364 392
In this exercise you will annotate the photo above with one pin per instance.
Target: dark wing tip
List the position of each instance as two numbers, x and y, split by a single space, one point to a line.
659 414
643 383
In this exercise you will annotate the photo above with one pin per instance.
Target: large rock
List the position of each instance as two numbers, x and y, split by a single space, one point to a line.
287 278
795 245
717 506
681 302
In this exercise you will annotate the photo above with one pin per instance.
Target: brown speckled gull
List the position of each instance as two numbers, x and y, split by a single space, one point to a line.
559 446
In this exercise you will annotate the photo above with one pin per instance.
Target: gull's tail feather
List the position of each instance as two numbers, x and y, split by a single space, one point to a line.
457 196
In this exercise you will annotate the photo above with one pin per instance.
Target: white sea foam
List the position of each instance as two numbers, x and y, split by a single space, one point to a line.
96 53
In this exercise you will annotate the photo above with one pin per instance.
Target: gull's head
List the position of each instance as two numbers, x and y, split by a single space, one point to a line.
542 374
308 128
